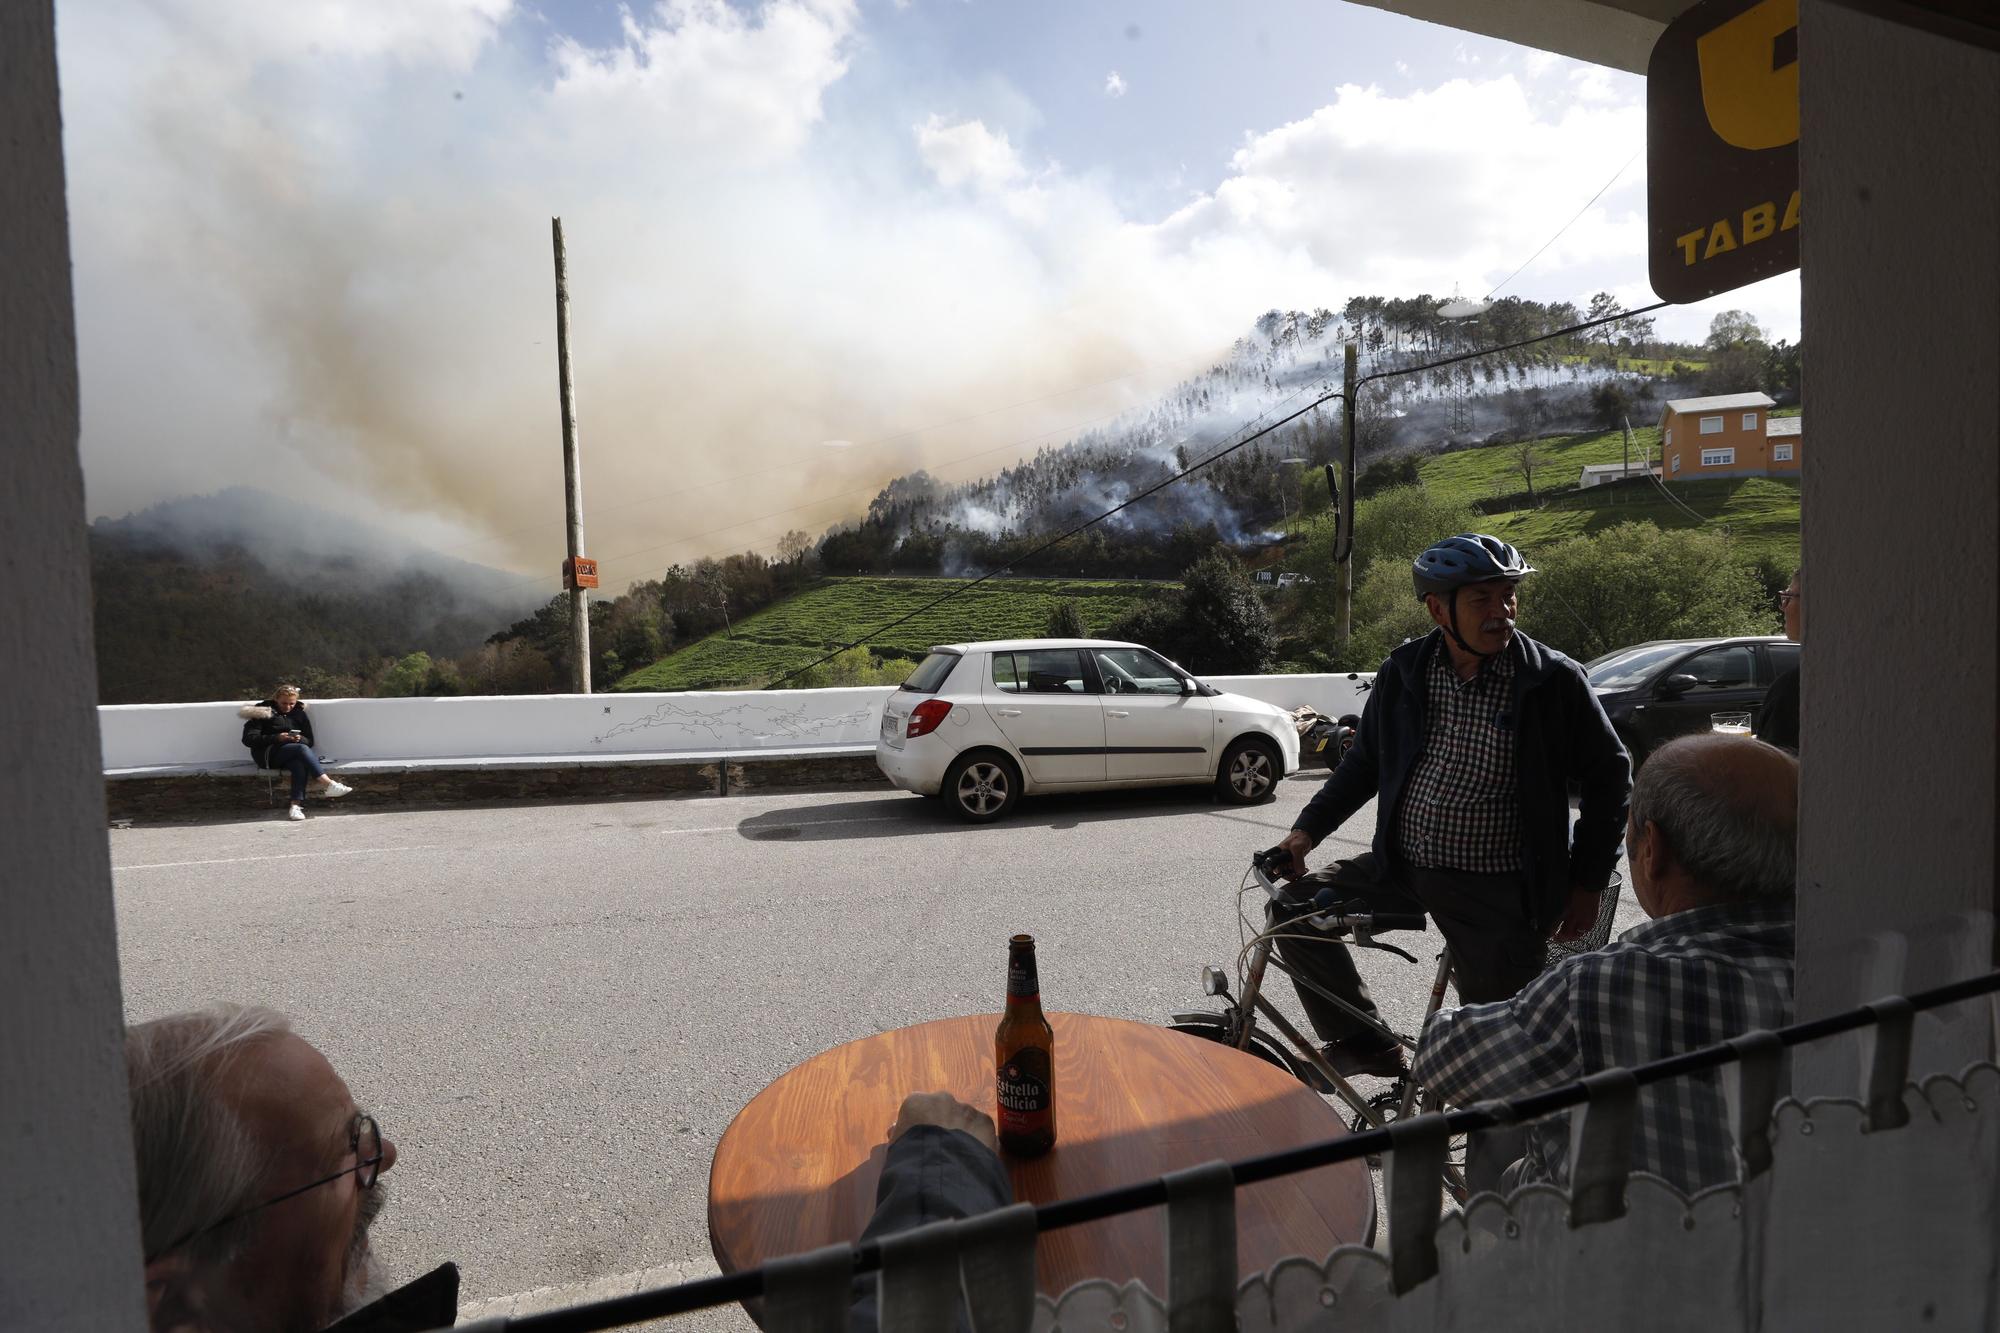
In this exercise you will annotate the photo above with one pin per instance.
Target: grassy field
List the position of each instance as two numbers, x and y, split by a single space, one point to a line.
1643 365
834 612
1760 514
1481 474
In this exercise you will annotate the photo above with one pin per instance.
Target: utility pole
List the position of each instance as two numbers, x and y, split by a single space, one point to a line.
1343 547
579 575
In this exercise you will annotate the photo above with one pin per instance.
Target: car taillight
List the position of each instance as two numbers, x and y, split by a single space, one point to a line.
924 718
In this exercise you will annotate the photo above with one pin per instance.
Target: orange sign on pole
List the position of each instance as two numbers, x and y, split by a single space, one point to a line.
580 573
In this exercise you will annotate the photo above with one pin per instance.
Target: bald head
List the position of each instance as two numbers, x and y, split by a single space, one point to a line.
1724 811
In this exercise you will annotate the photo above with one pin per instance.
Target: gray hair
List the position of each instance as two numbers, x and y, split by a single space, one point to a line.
197 1163
1730 826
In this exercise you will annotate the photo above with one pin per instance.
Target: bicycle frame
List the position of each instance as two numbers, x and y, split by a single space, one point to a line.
1241 1020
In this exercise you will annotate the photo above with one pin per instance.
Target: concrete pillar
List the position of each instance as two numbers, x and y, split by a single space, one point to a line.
68 1210
1900 168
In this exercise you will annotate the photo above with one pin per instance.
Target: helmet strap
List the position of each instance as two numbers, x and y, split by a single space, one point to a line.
1459 639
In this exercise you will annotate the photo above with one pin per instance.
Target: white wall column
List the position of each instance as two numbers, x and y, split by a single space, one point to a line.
68 1209
1900 168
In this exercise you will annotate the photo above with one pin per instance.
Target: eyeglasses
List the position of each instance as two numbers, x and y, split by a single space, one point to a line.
364 1140
1788 596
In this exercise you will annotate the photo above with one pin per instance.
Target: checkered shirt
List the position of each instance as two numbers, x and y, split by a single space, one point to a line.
1671 985
1461 805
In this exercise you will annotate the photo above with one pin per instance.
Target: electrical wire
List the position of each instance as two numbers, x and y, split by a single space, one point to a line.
1567 225
960 591
1193 468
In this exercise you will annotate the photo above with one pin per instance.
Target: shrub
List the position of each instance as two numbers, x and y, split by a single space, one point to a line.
1627 584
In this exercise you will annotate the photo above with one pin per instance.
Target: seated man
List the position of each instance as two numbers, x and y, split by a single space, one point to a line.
1711 845
259 1179
257 1175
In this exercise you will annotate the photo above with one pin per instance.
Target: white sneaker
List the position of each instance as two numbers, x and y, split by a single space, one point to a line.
298 812
335 788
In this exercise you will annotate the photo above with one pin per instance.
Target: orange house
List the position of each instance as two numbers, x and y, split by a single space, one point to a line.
1732 435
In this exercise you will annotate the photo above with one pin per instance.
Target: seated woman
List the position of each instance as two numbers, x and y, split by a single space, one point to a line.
280 737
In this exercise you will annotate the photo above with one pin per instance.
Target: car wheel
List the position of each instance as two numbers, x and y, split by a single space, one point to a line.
1249 772
982 786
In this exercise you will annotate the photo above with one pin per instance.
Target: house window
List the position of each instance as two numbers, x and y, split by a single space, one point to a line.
1717 457
1781 453
1677 463
1670 437
1711 425
1749 421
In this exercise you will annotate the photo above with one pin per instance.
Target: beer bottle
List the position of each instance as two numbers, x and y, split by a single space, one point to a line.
1024 1050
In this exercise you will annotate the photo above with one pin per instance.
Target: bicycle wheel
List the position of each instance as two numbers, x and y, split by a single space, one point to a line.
1213 1029
1387 1106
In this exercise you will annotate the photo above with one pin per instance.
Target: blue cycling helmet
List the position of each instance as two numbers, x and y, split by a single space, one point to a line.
1470 557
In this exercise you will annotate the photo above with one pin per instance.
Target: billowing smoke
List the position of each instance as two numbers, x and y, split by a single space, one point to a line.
312 256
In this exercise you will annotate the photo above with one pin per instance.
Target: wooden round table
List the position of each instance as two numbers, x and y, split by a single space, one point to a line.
797 1168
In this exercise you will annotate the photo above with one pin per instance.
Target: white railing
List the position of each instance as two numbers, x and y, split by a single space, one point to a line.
160 739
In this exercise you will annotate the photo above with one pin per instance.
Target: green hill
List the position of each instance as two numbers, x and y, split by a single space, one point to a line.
834 612
1760 514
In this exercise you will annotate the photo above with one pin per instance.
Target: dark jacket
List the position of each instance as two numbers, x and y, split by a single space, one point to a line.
1561 735
1778 719
931 1174
263 724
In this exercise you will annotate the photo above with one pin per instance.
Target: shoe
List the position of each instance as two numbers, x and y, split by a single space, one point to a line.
335 788
298 812
1365 1055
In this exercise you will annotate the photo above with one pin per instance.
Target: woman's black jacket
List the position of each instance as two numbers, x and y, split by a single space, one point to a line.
263 724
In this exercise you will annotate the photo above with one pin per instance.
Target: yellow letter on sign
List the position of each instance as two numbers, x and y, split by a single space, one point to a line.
1750 80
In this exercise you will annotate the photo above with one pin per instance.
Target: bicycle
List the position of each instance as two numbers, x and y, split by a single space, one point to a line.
1236 1025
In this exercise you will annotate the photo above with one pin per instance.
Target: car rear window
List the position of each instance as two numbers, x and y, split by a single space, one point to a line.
1623 670
931 673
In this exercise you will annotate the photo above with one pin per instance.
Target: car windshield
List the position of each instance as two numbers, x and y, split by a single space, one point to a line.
1631 666
931 673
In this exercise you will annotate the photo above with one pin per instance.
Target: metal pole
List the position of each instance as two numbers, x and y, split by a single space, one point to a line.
579 598
1344 549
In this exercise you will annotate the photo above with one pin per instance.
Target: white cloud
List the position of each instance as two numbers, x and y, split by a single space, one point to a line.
705 72
1403 68
1538 63
1397 194
1114 84
968 153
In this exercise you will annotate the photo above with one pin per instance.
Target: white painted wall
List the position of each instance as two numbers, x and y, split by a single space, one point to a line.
1899 154
525 727
69 1217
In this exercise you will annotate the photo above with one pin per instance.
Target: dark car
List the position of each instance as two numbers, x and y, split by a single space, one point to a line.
1656 691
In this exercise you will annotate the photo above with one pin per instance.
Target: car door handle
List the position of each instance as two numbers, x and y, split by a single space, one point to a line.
1116 712
1007 712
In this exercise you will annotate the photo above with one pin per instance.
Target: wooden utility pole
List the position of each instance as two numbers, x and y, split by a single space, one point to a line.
1343 547
579 596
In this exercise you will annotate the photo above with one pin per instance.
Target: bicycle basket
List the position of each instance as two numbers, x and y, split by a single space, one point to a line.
1600 932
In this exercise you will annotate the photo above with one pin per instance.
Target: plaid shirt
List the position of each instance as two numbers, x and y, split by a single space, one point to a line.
1673 984
1461 807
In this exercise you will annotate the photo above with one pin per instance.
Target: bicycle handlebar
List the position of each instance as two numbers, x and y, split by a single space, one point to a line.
1324 907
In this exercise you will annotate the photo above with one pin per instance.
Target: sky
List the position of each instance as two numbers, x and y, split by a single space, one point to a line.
812 244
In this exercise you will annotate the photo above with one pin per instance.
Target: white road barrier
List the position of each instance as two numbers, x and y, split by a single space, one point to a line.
161 740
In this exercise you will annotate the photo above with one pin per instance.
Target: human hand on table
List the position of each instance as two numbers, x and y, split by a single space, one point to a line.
947 1112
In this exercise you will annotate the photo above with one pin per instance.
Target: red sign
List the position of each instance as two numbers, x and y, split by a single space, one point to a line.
1722 136
580 573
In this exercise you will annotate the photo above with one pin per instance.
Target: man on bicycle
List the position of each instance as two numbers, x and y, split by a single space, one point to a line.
1471 738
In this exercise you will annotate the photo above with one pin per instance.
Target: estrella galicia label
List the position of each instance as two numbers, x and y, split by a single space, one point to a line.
1023 1088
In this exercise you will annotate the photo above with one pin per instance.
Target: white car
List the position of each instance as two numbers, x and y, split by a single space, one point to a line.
982 724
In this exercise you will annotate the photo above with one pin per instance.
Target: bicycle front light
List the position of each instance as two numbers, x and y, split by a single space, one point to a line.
1214 981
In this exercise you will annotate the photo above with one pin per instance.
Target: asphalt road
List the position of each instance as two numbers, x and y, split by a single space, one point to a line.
555 1011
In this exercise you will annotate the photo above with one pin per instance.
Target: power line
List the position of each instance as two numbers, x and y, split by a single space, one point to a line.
1057 541
1567 225
1191 469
